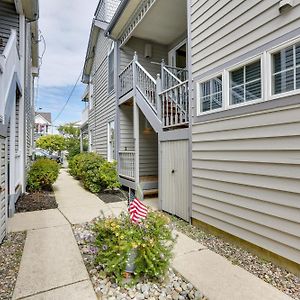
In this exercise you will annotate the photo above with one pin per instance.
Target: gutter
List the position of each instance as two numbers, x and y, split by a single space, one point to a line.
116 16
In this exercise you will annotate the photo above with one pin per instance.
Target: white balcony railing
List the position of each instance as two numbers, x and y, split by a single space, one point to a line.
127 164
85 115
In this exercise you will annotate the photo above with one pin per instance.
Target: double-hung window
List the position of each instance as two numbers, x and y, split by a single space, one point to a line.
245 83
111 70
211 97
286 69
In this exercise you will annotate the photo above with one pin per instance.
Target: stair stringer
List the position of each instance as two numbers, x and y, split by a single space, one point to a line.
148 112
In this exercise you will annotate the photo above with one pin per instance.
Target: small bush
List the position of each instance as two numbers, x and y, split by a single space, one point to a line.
95 172
151 241
42 174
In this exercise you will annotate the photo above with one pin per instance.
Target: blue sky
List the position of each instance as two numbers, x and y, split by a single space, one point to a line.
65 26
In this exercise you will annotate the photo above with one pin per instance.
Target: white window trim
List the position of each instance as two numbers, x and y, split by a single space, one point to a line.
266 76
111 50
110 157
269 54
198 91
240 65
91 96
226 86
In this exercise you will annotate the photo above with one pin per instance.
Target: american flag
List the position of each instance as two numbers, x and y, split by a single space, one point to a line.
137 211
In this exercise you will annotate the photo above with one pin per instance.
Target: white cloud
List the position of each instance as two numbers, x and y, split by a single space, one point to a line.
65 24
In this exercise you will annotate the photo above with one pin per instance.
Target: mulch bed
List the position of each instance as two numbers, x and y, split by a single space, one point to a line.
113 196
10 258
36 201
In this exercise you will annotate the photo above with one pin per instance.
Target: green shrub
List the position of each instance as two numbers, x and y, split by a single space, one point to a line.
103 177
95 172
151 241
42 174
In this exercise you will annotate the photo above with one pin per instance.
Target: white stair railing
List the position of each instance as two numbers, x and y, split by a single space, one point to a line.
146 85
127 164
126 79
175 105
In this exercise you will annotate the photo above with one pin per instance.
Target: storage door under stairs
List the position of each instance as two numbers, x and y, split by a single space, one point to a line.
174 178
3 194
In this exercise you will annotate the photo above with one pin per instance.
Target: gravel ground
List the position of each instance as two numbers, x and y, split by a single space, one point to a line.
36 201
10 257
174 287
280 278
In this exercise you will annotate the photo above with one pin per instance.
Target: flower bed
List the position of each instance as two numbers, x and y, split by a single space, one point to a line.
159 282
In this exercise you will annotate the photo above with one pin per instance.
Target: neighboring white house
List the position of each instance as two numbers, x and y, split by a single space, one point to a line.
42 124
19 64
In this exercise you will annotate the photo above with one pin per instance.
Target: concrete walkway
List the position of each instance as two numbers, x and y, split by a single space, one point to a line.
52 267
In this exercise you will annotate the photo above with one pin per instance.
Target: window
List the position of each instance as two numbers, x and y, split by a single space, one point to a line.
286 69
111 141
91 96
111 69
211 94
245 83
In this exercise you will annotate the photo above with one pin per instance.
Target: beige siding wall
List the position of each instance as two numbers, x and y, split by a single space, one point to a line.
126 128
159 52
224 30
103 110
246 177
148 149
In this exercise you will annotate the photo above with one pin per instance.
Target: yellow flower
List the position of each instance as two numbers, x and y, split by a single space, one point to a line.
122 237
117 234
143 245
134 245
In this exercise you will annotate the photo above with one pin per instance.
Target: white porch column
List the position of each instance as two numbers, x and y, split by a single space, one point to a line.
136 134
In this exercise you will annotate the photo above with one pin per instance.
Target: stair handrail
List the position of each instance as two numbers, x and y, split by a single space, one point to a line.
126 80
146 85
181 115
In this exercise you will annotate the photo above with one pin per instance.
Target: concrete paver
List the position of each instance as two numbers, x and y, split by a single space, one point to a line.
77 291
36 220
219 279
50 259
185 245
75 203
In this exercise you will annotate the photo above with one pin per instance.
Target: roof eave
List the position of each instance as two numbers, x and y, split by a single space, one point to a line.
115 18
31 9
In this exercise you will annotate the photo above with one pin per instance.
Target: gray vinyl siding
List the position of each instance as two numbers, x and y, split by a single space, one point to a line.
245 169
9 19
28 101
227 29
103 110
159 52
148 149
126 128
246 178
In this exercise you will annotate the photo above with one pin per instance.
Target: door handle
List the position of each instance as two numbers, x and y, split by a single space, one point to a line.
173 171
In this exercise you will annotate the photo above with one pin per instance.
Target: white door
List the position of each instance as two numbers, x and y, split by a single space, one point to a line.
3 191
174 178
178 56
